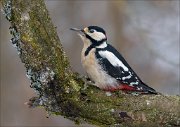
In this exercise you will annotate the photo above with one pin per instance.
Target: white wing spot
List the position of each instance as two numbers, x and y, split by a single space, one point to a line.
113 59
127 77
134 83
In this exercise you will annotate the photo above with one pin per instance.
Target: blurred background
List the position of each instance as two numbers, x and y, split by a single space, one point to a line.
145 32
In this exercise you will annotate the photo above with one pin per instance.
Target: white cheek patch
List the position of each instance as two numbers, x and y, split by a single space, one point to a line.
97 35
113 59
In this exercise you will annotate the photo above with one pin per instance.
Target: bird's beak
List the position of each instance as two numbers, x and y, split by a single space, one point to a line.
80 31
76 29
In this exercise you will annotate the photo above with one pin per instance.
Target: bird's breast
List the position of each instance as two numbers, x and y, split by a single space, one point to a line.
90 63
95 70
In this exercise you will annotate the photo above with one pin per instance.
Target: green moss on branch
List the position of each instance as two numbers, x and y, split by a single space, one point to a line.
62 92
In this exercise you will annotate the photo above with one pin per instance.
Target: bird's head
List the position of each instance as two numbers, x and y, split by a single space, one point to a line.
93 34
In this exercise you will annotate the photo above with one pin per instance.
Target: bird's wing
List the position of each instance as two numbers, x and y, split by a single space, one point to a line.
116 66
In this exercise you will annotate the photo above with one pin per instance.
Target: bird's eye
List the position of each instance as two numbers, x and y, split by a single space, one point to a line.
91 31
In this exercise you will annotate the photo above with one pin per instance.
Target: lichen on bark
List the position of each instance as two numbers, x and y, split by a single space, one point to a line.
63 92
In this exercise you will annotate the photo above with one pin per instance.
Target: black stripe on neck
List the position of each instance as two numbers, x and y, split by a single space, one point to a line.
89 49
93 45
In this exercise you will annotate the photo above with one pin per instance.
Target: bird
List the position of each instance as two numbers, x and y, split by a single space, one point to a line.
105 66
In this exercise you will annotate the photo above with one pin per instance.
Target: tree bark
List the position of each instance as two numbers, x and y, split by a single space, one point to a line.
63 92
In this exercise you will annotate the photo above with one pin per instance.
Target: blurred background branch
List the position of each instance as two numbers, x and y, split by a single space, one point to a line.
62 92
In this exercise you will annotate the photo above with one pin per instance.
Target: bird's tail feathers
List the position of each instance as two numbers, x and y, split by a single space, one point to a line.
148 89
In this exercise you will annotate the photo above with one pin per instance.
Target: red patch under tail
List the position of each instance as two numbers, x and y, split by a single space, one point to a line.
123 87
126 87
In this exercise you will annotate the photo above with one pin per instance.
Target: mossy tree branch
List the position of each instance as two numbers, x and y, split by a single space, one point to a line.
62 92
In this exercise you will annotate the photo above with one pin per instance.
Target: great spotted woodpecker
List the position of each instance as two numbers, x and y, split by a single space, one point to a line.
105 65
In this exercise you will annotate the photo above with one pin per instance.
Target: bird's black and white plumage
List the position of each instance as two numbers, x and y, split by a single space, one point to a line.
105 65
